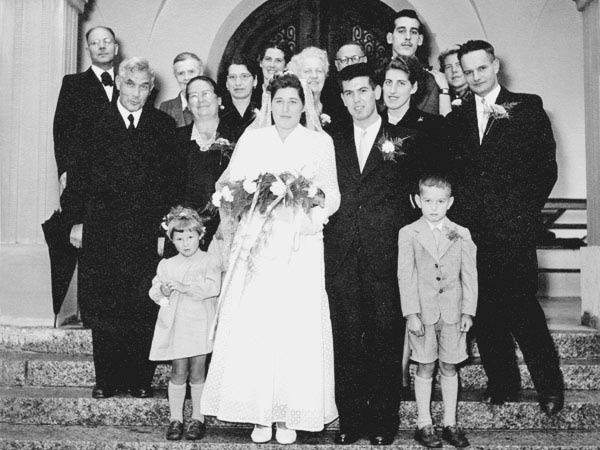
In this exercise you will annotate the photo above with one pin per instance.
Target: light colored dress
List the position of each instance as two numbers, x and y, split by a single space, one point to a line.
184 320
273 351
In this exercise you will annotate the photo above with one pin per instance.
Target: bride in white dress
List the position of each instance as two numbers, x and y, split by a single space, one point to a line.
273 354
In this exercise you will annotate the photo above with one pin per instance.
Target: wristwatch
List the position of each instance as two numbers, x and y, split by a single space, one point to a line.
444 91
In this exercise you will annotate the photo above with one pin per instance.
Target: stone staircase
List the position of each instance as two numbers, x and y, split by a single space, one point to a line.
46 377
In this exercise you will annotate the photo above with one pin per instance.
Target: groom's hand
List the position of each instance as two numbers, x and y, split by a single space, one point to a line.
415 326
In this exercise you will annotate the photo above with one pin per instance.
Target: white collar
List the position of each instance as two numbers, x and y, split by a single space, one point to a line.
184 103
439 226
125 114
490 98
371 131
98 72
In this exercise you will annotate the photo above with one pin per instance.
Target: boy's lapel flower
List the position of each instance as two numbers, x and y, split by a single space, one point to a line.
453 235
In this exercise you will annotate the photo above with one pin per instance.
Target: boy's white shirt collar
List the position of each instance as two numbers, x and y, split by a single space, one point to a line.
125 114
439 226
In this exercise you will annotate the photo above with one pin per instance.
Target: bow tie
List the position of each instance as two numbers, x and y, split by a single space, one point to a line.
106 79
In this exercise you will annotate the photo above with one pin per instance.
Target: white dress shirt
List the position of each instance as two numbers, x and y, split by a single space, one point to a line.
98 72
482 117
369 140
125 114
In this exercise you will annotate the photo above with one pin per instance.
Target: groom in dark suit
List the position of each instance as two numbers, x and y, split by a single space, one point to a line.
115 201
503 156
361 254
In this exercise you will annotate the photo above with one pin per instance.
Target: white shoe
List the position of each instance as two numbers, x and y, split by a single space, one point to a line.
284 435
261 434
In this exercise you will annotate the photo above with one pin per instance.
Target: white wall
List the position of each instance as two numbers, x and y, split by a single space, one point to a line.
539 42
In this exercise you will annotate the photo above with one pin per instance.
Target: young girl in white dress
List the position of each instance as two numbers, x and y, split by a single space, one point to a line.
186 287
273 353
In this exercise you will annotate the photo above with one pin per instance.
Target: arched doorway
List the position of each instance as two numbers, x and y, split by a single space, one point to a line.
322 23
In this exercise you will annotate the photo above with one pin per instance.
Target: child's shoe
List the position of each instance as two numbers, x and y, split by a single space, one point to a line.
195 430
261 434
284 435
455 436
175 430
426 436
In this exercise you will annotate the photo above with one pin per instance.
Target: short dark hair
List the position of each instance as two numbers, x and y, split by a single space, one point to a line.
358 70
444 54
410 13
243 60
87 34
408 64
287 54
206 79
476 45
286 80
434 180
352 42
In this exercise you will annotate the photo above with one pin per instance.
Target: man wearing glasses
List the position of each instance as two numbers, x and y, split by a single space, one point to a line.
81 95
238 108
186 66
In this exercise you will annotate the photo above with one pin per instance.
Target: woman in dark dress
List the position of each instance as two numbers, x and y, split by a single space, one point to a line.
205 148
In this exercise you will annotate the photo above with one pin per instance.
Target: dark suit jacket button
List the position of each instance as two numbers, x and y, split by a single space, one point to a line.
436 266
441 291
438 278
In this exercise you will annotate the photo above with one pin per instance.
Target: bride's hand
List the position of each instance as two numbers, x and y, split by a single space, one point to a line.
312 223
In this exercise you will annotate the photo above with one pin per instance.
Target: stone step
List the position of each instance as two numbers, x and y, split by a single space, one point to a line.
51 437
571 342
22 368
75 407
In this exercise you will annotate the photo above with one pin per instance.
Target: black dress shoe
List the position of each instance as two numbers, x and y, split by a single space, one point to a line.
455 436
141 392
195 430
346 438
175 430
498 398
102 392
552 404
382 439
426 436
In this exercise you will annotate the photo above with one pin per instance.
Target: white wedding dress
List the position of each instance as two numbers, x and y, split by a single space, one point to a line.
273 353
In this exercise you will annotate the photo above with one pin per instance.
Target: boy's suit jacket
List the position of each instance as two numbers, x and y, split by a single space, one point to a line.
174 108
437 280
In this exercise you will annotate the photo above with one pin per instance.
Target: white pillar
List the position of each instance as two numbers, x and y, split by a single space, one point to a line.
590 255
38 46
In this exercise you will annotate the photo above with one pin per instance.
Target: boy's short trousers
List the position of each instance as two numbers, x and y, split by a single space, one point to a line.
441 341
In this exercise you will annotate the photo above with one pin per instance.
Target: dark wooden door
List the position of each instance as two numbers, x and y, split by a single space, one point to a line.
322 23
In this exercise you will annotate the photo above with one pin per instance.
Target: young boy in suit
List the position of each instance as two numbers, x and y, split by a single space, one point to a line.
437 276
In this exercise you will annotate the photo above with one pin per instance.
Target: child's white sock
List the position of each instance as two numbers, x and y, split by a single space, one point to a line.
196 390
176 400
423 397
450 397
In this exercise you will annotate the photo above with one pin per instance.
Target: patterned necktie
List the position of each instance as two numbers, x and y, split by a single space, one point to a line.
131 124
106 79
363 150
437 234
485 115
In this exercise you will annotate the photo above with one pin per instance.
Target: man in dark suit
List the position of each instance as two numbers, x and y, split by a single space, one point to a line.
361 253
503 156
116 199
186 66
81 96
406 35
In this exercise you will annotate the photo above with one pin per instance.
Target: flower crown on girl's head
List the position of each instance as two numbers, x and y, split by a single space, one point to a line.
181 218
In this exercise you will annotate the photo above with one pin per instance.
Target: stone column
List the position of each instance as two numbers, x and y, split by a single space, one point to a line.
590 255
38 45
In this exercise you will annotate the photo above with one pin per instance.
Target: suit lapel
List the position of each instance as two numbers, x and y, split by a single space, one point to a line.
473 126
495 125
348 156
446 243
426 239
374 159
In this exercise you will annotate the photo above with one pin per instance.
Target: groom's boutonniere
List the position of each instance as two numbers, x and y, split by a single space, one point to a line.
391 147
325 119
501 111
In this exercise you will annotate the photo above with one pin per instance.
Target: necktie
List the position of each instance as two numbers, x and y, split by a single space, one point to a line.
131 124
437 234
485 115
106 79
363 150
